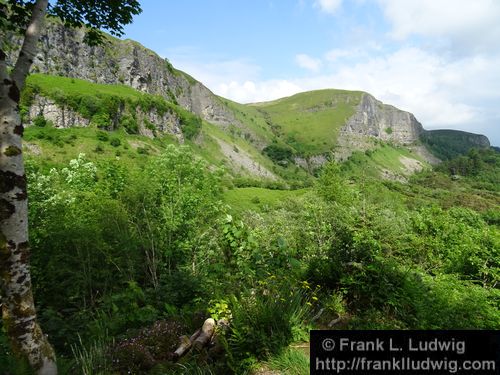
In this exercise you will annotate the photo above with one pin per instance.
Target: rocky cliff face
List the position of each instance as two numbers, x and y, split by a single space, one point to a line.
375 120
63 52
149 122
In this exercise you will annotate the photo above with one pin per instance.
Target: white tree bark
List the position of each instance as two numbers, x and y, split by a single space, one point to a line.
18 309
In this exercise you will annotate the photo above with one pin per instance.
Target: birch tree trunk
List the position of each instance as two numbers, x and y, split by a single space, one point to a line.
18 309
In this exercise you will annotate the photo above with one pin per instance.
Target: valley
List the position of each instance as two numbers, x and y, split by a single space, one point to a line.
155 205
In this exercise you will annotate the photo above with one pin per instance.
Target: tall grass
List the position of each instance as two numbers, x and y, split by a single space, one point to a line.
290 362
264 323
93 359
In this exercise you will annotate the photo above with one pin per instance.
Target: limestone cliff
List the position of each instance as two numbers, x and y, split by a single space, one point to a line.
375 120
63 52
150 122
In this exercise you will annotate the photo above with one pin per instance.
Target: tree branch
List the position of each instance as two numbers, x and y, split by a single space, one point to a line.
29 48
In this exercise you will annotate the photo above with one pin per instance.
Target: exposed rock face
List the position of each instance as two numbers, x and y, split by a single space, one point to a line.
63 52
167 122
63 117
310 163
241 160
479 140
60 117
375 120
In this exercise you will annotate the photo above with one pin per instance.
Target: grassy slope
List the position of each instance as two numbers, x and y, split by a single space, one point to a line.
370 164
256 199
53 147
310 121
53 85
240 143
251 118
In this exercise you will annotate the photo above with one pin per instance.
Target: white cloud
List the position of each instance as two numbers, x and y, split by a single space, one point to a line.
308 62
337 53
328 6
251 92
211 69
464 25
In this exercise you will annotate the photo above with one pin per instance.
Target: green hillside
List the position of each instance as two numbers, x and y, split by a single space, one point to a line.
309 122
447 144
114 130
387 161
258 199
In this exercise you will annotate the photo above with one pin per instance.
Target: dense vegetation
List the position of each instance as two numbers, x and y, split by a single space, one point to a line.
131 253
448 144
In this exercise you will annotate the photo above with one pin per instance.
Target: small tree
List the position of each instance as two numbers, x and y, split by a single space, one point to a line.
27 18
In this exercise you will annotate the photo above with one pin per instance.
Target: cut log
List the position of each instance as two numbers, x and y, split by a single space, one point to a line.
207 331
198 340
184 346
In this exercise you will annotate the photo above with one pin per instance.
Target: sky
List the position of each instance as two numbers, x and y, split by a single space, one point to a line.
439 59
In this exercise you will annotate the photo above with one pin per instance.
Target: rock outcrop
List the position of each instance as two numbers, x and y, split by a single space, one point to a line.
63 52
149 122
60 117
374 120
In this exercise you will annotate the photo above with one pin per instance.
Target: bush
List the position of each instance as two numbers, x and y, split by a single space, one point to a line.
40 121
143 150
102 121
130 124
102 136
190 124
278 153
115 142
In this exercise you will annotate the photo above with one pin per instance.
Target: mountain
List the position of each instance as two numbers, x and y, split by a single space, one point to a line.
123 85
447 144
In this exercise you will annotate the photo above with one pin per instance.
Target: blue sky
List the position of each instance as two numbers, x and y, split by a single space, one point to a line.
439 59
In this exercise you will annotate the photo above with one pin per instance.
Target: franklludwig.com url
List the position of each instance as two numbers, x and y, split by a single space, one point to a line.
402 364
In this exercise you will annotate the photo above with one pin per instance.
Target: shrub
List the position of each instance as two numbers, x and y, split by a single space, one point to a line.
149 125
102 136
115 142
101 120
190 124
99 148
130 124
143 150
40 121
278 153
